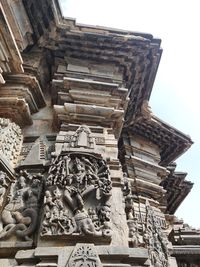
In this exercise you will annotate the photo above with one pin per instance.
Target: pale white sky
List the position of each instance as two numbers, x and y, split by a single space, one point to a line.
176 92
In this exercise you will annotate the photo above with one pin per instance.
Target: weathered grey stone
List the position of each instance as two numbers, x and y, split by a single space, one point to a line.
105 186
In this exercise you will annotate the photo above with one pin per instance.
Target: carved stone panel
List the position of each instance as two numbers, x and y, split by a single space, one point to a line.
19 216
156 239
78 189
10 141
84 255
82 138
135 223
4 183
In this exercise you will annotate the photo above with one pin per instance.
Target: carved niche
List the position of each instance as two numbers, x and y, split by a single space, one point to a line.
82 138
10 141
84 255
19 216
156 239
78 189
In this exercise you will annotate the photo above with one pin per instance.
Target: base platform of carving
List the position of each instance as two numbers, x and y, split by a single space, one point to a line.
10 248
74 238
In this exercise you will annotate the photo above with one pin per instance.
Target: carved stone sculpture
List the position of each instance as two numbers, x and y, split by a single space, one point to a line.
76 201
10 141
84 255
156 240
20 215
135 228
81 139
3 186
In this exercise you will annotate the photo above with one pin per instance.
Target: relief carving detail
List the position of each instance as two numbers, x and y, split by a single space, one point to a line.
78 189
19 216
82 138
84 255
135 227
3 186
156 239
10 141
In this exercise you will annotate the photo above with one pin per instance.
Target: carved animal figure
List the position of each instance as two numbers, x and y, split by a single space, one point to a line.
85 225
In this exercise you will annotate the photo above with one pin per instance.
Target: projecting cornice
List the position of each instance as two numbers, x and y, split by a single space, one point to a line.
10 57
171 142
135 55
177 188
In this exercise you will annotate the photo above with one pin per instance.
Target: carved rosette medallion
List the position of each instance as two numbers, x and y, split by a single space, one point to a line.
78 189
84 255
19 216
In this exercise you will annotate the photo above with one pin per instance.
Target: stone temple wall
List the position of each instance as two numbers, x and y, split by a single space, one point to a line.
84 164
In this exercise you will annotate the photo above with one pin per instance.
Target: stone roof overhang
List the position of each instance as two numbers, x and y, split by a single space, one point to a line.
177 188
136 55
171 142
186 250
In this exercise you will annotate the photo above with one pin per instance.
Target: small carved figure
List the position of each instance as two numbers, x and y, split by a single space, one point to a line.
126 187
3 186
129 207
135 237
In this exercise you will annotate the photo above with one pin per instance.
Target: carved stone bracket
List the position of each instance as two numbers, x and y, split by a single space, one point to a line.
78 189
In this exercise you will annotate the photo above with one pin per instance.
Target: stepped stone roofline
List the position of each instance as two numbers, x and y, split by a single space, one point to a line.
172 142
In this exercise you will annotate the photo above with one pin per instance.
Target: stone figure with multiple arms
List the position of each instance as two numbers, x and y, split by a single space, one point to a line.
78 189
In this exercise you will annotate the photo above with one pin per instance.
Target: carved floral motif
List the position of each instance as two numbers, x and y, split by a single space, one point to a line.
84 255
19 217
78 189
